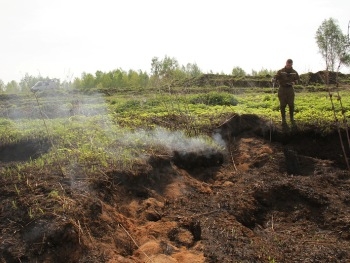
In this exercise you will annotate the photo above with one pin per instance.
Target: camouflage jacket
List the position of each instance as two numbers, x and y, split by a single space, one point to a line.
285 77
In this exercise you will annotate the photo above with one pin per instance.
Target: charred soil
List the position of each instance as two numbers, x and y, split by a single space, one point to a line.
272 196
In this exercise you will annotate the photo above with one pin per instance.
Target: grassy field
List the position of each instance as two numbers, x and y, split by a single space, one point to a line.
117 129
85 163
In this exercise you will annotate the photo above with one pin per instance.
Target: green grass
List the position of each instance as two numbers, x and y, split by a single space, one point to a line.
112 130
121 131
314 108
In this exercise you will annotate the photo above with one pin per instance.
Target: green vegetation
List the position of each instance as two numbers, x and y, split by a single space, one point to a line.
112 130
333 45
87 134
108 124
109 118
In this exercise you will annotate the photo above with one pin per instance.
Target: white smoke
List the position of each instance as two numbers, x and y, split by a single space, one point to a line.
175 140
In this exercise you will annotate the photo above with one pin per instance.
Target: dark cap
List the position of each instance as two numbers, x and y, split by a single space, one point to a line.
289 61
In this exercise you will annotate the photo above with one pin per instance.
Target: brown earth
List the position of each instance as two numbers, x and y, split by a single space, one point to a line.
272 196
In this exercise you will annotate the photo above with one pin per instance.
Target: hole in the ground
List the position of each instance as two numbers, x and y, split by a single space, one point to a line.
23 150
327 147
292 161
292 202
200 159
302 142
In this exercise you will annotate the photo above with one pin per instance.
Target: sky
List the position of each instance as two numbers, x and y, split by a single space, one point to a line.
64 38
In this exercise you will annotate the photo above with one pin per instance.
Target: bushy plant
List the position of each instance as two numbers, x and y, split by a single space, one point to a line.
214 98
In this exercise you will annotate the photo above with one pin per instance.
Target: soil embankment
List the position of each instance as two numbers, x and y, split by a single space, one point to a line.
270 196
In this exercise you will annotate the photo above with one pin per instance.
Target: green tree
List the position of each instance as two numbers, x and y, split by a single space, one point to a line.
163 71
266 72
2 86
263 72
106 80
333 44
99 76
133 79
238 72
29 81
143 79
118 78
87 81
254 73
192 70
164 67
77 83
12 87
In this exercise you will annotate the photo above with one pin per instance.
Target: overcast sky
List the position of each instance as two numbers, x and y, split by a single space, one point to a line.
63 38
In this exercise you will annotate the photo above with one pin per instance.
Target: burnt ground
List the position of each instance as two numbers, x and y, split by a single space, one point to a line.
282 196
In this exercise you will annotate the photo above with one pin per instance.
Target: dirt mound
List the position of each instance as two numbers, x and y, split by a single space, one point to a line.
322 77
217 80
269 197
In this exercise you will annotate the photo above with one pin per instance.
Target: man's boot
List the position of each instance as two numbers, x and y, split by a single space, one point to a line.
291 114
283 114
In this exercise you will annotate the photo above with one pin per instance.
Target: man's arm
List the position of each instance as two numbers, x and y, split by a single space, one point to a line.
297 78
276 77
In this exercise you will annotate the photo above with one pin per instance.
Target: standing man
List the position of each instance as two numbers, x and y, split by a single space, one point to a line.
286 78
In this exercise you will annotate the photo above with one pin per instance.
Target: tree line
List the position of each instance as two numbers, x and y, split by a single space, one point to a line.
333 44
163 72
